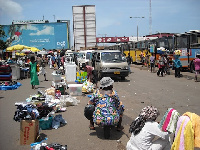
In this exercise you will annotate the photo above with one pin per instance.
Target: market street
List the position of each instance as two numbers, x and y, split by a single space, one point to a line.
140 89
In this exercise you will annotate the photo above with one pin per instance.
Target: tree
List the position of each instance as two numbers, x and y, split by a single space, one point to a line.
2 43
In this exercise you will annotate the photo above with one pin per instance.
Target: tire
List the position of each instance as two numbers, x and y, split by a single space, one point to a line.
106 132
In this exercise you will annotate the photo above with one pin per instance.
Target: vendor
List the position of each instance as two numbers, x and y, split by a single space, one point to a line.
143 131
108 107
88 69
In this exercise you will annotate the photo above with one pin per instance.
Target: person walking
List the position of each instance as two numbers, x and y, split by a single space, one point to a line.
42 68
161 65
33 72
152 62
197 66
129 61
177 65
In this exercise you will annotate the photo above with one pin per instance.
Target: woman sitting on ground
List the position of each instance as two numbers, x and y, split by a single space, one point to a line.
108 107
143 131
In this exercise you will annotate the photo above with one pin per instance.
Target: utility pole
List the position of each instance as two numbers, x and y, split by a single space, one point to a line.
150 19
137 25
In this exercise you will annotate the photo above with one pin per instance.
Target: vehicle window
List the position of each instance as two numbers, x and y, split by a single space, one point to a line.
98 56
112 56
88 55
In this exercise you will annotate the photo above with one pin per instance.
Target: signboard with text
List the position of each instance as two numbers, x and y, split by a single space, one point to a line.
41 35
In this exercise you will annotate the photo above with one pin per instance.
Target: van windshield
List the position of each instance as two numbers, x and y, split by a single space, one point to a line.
112 57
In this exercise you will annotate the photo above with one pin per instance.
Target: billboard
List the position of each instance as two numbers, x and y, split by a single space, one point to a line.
84 26
41 35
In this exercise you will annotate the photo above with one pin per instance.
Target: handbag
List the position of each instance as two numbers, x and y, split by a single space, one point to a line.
88 111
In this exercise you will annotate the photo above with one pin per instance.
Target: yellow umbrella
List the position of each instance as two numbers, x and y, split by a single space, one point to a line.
16 47
9 49
34 49
20 54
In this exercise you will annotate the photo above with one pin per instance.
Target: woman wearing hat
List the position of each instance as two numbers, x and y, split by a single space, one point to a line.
108 107
143 131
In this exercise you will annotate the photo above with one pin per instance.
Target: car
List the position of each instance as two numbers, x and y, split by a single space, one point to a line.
110 63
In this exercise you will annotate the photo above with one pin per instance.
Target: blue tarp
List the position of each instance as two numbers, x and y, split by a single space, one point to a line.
9 87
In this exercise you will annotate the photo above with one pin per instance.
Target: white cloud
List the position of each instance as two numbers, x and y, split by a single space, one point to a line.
48 30
11 9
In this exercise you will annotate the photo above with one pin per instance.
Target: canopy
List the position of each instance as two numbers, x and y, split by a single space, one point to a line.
20 54
16 47
34 49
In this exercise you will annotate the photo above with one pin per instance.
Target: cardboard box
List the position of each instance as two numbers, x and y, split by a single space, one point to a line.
29 130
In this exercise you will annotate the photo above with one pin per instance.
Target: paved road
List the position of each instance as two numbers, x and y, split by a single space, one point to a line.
140 89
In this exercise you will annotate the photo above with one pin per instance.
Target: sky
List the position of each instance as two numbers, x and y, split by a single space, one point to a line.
112 16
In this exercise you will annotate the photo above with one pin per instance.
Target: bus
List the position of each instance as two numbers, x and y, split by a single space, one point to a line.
189 45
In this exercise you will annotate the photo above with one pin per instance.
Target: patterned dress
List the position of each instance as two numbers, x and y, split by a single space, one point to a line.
108 108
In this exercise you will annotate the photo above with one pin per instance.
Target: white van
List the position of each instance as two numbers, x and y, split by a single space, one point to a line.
110 63
83 57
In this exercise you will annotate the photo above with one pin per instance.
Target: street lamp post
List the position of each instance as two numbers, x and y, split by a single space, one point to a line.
137 25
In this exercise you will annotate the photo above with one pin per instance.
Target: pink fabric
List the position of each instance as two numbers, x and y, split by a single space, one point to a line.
167 120
181 146
197 64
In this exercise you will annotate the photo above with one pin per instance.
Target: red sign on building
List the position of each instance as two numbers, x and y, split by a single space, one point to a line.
112 39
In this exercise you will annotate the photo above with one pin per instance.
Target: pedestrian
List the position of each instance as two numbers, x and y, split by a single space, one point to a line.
58 60
177 65
108 107
129 61
42 68
161 65
144 129
152 62
197 66
166 64
33 72
53 58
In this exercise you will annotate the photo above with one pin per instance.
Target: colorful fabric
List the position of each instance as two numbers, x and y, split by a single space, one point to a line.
184 135
149 113
108 108
181 146
33 74
163 118
167 120
177 63
195 119
173 122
